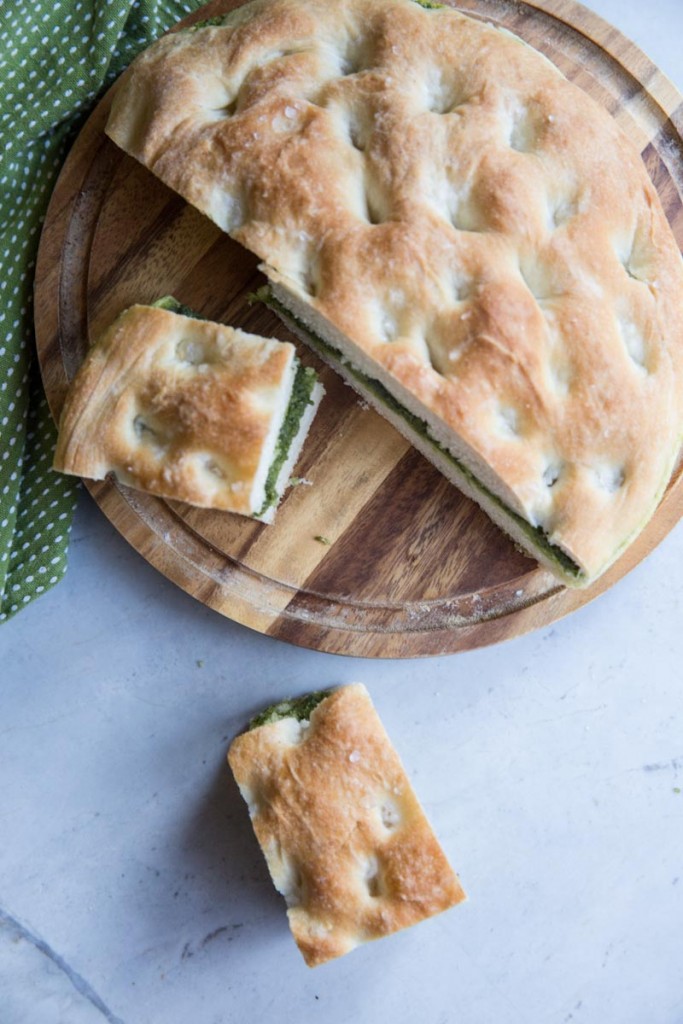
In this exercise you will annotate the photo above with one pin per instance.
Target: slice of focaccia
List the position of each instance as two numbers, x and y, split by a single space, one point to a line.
184 408
464 234
345 838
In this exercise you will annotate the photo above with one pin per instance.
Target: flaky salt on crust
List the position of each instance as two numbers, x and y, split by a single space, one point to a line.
343 833
179 407
436 200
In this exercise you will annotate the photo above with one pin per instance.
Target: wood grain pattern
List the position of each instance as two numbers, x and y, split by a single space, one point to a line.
412 568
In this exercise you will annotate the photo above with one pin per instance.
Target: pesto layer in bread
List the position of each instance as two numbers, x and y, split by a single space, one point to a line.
536 535
300 708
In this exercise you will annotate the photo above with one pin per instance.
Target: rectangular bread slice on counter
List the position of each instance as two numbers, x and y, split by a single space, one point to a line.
466 235
180 407
345 838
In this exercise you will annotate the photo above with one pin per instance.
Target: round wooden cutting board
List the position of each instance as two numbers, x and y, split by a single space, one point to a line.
410 567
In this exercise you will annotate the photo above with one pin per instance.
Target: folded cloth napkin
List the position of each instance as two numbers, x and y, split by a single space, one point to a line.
56 58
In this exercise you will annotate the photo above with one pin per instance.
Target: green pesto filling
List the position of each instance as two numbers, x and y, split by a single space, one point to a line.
220 19
217 20
536 534
300 708
302 391
173 306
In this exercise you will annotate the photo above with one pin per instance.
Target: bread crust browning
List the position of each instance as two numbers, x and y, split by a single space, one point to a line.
479 229
175 406
343 833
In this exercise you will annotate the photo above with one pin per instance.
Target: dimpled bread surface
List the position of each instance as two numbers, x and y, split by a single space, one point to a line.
343 833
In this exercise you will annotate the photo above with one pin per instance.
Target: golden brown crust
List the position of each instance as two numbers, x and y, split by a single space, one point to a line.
481 231
178 407
344 835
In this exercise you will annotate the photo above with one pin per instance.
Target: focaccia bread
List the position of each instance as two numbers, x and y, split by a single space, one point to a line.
468 237
188 409
345 838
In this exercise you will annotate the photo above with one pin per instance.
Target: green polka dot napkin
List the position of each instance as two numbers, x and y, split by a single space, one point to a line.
56 58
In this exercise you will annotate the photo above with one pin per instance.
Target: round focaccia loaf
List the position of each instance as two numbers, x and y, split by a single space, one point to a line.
433 197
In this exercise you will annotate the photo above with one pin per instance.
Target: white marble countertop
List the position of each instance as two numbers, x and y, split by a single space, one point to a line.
132 889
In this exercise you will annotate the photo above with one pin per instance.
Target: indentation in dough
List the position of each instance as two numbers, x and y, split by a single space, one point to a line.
610 477
151 435
428 352
227 109
304 270
370 200
311 281
357 141
561 375
143 430
441 345
524 130
227 210
463 288
466 214
541 517
393 316
442 94
319 930
356 56
390 814
212 466
359 127
309 276
635 255
192 351
508 420
561 210
372 877
552 473
375 202
221 97
291 51
287 875
634 342
388 326
537 278
456 204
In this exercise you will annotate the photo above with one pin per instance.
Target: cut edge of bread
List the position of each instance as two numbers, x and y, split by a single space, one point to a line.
294 450
440 447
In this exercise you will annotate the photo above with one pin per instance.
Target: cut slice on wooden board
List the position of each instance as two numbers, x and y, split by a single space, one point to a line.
180 407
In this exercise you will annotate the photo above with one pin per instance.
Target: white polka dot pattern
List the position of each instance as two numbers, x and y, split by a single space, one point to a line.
56 57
